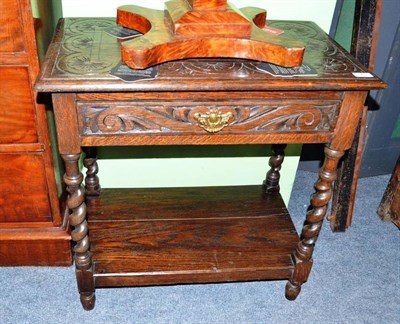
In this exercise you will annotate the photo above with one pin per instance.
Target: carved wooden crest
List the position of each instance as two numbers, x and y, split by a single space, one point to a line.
200 29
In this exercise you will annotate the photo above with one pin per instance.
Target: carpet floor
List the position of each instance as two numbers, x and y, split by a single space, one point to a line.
355 279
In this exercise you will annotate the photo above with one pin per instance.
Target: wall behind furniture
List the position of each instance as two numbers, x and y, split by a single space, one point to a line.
51 10
319 11
202 165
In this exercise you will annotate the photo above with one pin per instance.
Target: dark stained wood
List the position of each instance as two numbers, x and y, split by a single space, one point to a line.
207 96
364 43
365 32
67 130
92 64
173 235
389 208
250 117
315 216
271 183
200 29
77 218
347 123
92 183
190 235
257 118
134 205
33 230
217 139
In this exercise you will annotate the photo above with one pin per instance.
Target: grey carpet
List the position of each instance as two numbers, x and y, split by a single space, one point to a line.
355 279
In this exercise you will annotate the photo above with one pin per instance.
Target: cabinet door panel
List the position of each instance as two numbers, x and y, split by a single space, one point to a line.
17 117
23 189
11 36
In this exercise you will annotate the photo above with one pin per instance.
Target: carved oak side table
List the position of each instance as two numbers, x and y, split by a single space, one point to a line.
133 237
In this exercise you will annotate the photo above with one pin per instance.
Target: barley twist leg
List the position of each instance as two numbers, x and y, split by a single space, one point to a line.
271 183
76 203
92 184
314 219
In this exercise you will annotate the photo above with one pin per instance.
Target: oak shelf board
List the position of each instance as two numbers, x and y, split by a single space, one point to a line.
216 235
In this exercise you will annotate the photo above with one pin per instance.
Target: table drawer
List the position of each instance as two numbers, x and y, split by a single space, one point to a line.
251 116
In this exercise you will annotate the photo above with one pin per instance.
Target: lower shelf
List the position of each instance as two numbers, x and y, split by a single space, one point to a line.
189 235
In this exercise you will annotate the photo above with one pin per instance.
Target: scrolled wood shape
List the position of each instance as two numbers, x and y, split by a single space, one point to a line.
76 203
199 29
271 183
314 219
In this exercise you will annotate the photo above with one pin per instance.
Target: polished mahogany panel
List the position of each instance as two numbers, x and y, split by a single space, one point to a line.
17 113
11 28
21 202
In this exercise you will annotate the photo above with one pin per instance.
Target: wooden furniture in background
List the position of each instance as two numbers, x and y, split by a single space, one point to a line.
389 209
32 229
363 47
129 237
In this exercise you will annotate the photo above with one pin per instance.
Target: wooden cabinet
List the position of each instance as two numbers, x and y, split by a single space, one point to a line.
32 228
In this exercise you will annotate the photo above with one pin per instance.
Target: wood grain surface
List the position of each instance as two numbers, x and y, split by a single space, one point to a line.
32 227
82 56
200 29
189 235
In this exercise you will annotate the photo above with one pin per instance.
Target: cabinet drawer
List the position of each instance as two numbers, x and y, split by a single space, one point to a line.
23 189
17 117
250 116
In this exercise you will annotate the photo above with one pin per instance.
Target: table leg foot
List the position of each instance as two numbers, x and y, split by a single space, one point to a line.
292 291
88 300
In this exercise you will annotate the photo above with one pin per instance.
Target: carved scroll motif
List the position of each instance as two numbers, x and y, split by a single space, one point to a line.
155 118
332 59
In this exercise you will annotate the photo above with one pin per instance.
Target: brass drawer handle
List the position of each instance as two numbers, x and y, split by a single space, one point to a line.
214 120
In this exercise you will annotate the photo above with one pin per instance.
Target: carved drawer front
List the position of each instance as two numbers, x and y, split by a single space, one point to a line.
207 117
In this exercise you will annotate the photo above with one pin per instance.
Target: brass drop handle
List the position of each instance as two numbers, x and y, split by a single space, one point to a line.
214 120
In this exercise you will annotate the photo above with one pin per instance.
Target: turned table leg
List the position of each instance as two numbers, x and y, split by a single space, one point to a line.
76 203
314 219
92 184
271 183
